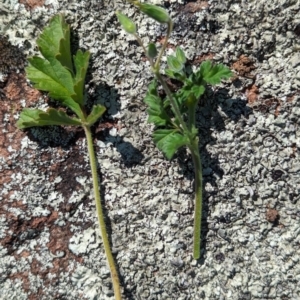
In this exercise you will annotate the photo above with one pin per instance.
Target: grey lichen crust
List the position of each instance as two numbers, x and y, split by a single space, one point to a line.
250 161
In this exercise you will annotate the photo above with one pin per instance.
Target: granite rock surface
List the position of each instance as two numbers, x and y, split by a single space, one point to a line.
249 141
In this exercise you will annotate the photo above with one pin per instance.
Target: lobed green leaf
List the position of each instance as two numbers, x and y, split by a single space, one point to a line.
152 88
81 62
180 55
176 75
190 89
51 76
169 141
174 64
97 111
157 113
213 74
157 108
36 117
54 41
198 91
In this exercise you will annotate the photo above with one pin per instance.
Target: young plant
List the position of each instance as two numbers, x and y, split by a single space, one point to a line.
63 77
174 117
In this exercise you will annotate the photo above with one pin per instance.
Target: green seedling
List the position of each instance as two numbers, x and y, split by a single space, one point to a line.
63 77
174 116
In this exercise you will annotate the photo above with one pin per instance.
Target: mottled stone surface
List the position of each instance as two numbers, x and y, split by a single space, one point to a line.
250 138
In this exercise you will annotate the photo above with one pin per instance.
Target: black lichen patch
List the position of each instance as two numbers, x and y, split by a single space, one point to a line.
53 136
297 30
11 57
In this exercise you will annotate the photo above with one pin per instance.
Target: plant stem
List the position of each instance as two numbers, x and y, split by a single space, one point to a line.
187 131
144 48
192 113
173 102
194 148
162 50
100 215
156 70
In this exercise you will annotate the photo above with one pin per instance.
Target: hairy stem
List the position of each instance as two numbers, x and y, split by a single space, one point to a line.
191 116
155 69
108 253
198 197
193 146
187 131
162 50
173 102
139 40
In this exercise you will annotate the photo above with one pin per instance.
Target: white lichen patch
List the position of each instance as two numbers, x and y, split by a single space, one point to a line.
250 157
82 242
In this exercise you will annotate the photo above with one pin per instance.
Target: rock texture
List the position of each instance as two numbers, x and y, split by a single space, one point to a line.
250 139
